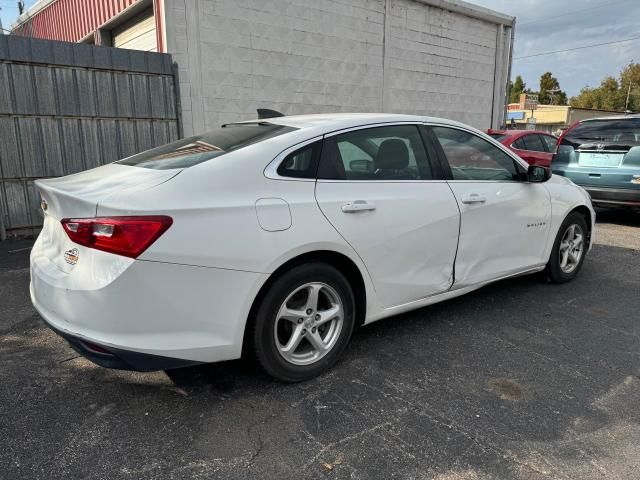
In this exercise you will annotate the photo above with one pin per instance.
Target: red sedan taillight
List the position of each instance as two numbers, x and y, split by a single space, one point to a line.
127 236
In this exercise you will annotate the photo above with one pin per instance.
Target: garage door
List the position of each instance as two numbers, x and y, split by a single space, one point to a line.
139 33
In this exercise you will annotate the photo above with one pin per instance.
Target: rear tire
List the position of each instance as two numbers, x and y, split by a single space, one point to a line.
304 322
569 249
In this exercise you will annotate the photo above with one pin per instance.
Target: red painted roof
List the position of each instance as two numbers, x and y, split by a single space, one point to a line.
70 20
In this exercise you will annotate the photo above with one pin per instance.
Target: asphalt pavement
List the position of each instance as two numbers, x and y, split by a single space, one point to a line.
520 379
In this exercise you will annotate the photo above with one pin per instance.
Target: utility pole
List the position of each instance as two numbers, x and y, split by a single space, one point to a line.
1 29
552 93
626 104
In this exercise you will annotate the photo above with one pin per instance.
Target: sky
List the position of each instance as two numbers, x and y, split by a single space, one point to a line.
9 11
543 26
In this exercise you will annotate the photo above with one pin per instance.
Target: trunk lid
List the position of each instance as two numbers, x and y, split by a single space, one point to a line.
78 196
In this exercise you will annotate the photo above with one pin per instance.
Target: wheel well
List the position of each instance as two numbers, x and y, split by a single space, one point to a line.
341 262
586 213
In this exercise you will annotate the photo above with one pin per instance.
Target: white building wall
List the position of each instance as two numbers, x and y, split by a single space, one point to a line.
312 56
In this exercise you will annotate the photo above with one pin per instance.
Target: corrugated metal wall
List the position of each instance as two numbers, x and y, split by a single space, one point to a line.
71 20
68 107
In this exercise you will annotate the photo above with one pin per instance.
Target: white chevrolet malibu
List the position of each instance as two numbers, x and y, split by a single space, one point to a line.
279 237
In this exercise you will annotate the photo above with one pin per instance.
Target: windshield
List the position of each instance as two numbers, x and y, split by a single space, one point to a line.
620 131
194 150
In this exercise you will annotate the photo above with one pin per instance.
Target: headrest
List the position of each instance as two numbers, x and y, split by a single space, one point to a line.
393 154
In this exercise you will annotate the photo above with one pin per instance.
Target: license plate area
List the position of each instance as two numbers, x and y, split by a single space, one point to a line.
606 160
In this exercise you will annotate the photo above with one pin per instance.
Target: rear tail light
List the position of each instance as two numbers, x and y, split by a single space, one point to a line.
127 236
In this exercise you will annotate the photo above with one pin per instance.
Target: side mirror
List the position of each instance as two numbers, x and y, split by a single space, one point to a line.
538 174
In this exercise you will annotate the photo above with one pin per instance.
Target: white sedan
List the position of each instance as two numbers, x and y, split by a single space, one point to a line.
279 237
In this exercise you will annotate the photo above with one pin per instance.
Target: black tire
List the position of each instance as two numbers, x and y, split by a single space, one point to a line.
553 270
262 326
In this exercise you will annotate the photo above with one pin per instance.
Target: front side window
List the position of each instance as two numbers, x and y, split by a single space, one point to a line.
381 153
472 158
194 150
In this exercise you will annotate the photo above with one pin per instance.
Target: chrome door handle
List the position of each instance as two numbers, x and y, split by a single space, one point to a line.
358 206
474 198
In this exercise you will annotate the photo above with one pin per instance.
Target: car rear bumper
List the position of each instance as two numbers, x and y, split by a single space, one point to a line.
614 196
151 316
111 357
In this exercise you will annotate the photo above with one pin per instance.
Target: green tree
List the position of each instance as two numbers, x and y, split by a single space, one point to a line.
608 96
550 83
630 84
612 93
516 89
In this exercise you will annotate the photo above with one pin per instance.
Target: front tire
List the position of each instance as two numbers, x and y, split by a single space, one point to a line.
304 322
569 249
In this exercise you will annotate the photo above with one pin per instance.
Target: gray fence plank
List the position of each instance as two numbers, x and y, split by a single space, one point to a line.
91 143
45 90
10 156
124 102
5 93
23 90
87 95
109 140
53 158
31 145
67 92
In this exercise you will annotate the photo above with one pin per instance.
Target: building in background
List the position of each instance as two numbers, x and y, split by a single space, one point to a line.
552 119
442 58
133 24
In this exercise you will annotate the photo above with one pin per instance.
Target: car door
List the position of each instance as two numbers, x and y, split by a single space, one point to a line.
382 191
504 219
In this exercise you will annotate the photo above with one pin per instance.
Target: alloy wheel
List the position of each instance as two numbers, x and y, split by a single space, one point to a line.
309 323
571 248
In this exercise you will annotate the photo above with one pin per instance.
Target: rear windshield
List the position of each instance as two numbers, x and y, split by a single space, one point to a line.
193 150
622 131
498 136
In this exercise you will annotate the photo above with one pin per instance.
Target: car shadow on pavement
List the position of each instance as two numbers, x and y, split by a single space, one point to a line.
619 216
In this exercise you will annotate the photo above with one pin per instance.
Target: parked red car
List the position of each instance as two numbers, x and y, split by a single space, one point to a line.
536 148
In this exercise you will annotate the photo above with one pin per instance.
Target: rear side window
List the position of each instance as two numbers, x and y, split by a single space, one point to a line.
533 143
550 142
519 144
394 152
194 150
302 163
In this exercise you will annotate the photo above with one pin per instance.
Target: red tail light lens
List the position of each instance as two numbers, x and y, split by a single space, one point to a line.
127 236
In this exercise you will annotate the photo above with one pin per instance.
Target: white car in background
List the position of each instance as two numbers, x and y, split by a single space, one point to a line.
280 237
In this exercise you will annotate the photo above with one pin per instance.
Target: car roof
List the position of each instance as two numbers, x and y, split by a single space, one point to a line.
630 116
327 122
519 132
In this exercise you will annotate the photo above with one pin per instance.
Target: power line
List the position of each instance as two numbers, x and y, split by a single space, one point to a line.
547 19
539 54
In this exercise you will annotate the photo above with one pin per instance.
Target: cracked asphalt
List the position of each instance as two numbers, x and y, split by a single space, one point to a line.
520 379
